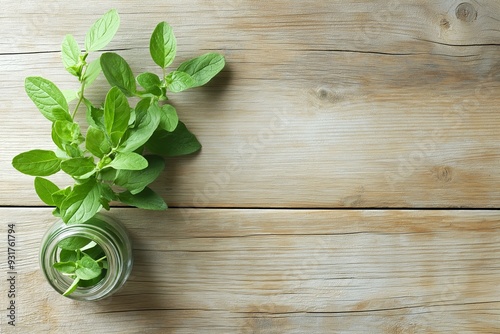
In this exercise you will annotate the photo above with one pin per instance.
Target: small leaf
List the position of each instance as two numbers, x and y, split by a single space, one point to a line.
44 189
102 31
116 114
37 163
163 45
78 166
170 144
67 256
73 243
146 199
136 181
71 55
203 68
178 81
169 118
118 72
96 142
65 267
46 96
129 160
148 80
87 268
82 203
92 72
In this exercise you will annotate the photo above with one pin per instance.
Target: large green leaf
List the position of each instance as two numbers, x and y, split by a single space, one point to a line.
46 96
163 45
179 142
37 163
129 160
116 114
78 167
118 72
102 31
203 68
82 203
44 189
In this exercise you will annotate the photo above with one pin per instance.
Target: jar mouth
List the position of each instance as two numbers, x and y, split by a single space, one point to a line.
118 256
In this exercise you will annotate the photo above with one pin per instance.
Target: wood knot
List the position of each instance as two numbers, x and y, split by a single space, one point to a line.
327 95
443 173
466 12
445 23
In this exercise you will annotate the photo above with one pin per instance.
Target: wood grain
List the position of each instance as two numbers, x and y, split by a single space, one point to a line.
281 271
323 104
368 106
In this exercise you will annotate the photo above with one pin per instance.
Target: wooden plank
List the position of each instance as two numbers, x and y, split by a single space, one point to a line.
322 104
276 271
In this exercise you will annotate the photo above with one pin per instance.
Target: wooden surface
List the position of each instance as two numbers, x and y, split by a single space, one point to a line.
330 119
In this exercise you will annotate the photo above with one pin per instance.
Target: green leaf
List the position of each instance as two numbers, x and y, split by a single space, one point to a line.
178 81
116 114
71 55
67 256
178 142
96 142
92 72
78 167
44 189
87 268
146 199
82 203
146 125
102 31
46 96
37 163
129 160
65 267
136 181
169 118
118 72
203 68
148 80
163 45
73 243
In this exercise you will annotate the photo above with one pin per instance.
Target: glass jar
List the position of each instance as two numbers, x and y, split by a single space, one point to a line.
105 232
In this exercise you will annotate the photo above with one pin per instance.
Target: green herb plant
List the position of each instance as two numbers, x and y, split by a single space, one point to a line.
120 150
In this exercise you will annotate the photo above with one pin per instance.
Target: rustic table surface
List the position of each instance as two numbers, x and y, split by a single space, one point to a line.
348 182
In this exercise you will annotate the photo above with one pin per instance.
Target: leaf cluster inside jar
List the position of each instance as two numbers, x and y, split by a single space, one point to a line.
120 150
82 260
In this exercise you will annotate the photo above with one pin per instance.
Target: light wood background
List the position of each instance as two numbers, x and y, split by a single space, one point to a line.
348 181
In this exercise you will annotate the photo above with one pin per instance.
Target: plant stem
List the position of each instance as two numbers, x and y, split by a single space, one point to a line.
82 89
102 258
